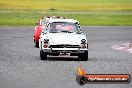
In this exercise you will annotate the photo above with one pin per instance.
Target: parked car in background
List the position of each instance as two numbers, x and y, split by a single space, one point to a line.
42 22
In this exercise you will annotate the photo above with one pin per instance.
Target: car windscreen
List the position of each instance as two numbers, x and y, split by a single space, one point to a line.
63 27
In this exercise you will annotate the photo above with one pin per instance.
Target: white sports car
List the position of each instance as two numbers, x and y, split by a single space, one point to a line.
63 37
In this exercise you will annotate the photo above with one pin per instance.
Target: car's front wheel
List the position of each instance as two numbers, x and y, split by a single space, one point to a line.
43 55
37 44
83 56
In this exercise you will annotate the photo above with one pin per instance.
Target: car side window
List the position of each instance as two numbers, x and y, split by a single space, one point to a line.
43 21
40 22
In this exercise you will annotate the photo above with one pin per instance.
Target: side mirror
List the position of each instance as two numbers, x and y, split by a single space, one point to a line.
45 32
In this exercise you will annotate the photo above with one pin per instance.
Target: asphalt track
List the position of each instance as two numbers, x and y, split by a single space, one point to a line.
21 67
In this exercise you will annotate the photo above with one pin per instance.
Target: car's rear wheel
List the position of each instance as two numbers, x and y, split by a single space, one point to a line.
43 55
83 56
37 44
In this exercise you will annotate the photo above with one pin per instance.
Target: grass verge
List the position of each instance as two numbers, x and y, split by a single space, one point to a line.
88 12
19 18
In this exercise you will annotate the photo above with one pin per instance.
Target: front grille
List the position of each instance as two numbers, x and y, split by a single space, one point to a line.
64 46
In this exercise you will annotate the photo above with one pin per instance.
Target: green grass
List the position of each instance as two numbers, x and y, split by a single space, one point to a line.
87 12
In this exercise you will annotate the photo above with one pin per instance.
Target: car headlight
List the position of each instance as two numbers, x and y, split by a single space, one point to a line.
83 41
46 41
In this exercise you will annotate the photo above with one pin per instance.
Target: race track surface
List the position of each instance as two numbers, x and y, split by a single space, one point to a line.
21 67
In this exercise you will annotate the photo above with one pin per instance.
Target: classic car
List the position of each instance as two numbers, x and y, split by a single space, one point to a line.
63 37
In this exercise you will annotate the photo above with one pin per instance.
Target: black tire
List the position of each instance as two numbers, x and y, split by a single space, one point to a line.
37 44
81 80
83 56
43 55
